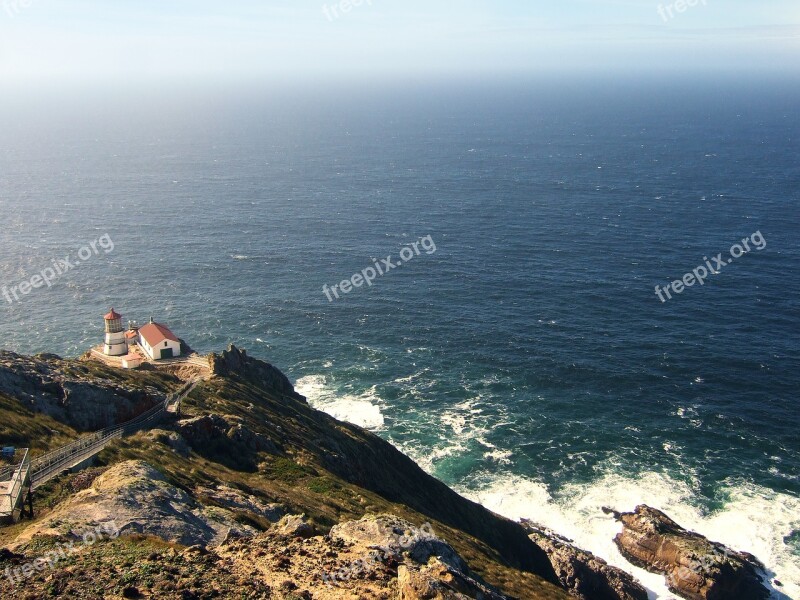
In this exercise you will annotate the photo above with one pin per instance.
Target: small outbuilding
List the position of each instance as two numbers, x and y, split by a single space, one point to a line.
132 361
158 341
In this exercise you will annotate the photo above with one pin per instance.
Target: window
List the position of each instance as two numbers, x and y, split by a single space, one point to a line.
166 343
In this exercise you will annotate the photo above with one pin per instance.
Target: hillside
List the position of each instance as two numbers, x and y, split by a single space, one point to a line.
239 496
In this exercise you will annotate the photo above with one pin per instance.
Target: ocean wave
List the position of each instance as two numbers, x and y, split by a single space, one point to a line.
428 458
753 519
361 410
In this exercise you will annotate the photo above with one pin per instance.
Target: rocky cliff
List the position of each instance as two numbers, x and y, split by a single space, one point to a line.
248 493
251 493
79 394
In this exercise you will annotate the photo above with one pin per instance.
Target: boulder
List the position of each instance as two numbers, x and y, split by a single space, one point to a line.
170 438
236 500
585 575
295 526
694 567
439 581
427 566
397 536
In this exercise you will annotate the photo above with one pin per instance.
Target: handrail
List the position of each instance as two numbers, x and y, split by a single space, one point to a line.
18 481
46 466
54 462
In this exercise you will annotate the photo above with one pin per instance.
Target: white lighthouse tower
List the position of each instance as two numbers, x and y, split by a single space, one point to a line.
115 344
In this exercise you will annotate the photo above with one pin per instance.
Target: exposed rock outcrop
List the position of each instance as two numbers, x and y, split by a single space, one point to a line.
585 575
295 526
137 498
439 581
377 557
238 501
236 362
428 567
397 537
71 393
694 567
201 431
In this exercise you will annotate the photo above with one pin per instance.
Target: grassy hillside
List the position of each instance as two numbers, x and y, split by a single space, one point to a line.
307 461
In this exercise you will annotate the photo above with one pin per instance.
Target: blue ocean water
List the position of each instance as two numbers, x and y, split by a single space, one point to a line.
527 361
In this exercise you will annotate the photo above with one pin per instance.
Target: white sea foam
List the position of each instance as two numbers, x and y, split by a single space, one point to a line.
755 519
502 457
412 377
361 410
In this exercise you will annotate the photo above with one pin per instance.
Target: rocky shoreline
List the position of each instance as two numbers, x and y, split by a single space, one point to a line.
693 566
256 490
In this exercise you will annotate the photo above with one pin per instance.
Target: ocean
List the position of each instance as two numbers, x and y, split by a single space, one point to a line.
521 353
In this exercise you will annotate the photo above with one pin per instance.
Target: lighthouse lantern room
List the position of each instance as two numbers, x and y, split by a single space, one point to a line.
115 343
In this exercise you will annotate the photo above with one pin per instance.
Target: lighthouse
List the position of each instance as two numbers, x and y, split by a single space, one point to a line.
115 343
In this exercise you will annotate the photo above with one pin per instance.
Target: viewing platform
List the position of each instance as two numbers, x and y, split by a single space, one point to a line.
196 361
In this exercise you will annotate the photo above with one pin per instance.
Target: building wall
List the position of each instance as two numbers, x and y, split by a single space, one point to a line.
145 346
115 344
155 353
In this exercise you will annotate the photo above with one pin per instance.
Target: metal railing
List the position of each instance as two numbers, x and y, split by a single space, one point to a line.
51 464
11 499
38 472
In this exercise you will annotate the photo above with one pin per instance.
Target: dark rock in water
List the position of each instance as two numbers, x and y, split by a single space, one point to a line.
585 575
694 567
236 362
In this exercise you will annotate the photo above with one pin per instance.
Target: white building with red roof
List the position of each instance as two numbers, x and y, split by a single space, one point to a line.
132 361
158 342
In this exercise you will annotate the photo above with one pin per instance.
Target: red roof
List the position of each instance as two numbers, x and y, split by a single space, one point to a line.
155 333
112 316
131 333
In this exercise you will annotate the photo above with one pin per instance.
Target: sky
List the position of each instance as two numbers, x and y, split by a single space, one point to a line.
178 40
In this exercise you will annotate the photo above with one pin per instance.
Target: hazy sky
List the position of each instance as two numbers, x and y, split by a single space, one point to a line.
277 39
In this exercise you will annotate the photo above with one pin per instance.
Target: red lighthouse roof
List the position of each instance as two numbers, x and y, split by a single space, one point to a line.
112 316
